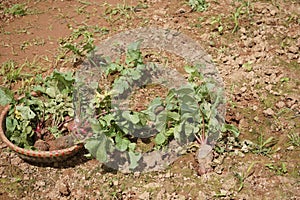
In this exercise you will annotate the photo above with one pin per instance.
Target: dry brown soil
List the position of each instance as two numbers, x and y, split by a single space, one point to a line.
260 65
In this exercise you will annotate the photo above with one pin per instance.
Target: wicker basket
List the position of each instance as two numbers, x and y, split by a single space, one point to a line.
36 156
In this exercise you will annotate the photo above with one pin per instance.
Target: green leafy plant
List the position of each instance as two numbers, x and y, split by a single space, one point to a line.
279 170
217 21
121 11
198 5
243 176
294 139
10 73
42 111
17 10
79 43
264 146
186 112
242 9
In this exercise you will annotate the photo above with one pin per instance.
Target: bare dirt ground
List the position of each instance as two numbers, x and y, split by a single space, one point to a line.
254 44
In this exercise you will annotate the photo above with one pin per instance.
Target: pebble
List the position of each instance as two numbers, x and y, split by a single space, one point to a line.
290 148
269 112
243 89
180 11
280 104
293 49
268 87
273 12
254 107
144 196
63 188
115 182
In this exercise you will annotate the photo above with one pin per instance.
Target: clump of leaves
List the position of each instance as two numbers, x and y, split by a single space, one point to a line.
243 176
79 43
10 72
43 110
185 112
264 146
120 11
239 11
278 169
198 5
294 139
17 10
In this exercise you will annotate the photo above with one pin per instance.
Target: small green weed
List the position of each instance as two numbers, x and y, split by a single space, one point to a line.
120 11
17 10
247 66
217 21
242 177
198 5
80 43
279 170
294 139
10 73
242 9
264 146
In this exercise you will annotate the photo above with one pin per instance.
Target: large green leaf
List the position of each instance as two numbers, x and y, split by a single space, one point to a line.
132 117
160 138
11 124
121 143
6 96
98 147
134 159
26 112
173 115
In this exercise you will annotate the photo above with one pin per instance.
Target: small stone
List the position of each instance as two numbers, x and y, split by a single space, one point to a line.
115 182
293 49
180 197
243 30
280 104
136 174
269 112
254 107
292 56
168 174
249 43
298 42
144 196
269 72
268 87
155 17
152 185
161 193
243 89
290 148
273 12
40 183
180 11
63 189
41 145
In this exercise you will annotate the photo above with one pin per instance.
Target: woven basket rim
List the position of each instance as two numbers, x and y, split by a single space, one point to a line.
32 153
